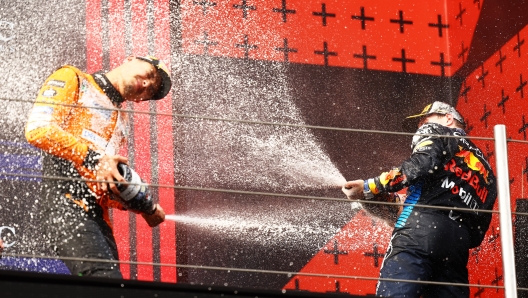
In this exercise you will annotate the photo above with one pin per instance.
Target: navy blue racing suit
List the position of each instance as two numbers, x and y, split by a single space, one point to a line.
432 244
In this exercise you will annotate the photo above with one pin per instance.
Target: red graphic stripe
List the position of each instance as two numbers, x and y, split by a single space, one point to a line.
142 144
165 147
94 43
116 27
94 48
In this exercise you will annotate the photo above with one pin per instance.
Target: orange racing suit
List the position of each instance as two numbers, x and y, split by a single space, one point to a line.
76 122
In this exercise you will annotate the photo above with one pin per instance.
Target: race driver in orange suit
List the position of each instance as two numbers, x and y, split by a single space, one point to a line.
77 124
445 170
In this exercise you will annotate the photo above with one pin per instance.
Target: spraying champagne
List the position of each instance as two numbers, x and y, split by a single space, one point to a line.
135 195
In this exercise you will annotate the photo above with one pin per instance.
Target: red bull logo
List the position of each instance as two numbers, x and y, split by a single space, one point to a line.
394 177
473 163
470 176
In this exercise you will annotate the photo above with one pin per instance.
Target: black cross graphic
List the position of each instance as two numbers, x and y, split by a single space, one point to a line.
336 252
465 91
521 86
462 54
497 279
459 15
480 291
503 102
337 288
477 1
501 59
373 221
297 286
375 254
489 153
484 118
247 47
205 5
525 170
476 254
469 127
494 237
326 53
284 11
206 43
244 7
442 64
517 47
324 14
439 25
365 57
363 18
401 21
286 50
483 75
404 60
523 128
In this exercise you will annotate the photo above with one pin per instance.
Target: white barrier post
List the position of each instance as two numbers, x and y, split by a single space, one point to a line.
506 234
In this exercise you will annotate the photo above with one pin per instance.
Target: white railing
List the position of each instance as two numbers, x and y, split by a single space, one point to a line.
506 231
